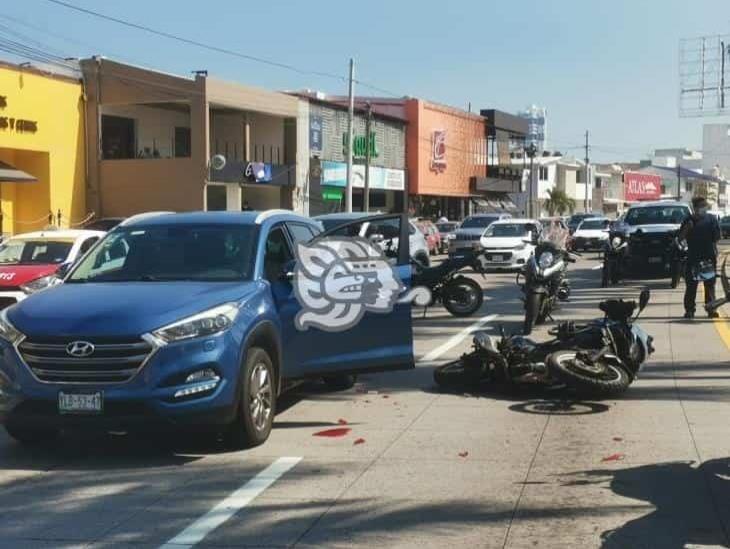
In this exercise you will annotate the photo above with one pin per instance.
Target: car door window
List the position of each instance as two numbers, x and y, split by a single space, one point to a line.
276 254
383 231
300 232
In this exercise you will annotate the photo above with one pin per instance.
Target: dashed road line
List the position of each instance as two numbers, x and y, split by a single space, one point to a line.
454 340
231 505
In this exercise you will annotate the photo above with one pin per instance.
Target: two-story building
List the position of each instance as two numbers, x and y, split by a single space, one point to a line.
157 141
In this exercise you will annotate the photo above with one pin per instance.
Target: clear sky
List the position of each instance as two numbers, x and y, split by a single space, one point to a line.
609 67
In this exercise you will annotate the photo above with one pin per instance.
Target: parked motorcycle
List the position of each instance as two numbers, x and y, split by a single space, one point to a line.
602 357
460 295
678 260
545 283
613 257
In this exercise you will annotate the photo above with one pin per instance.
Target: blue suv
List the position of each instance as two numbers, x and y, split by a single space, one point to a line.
184 320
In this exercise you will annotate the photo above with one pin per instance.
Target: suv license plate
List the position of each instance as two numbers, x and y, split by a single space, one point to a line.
80 403
497 258
655 260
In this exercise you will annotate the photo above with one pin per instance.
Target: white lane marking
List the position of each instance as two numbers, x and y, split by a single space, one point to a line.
454 340
597 267
224 510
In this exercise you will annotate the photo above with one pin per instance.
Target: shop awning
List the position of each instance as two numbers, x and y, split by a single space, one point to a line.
11 174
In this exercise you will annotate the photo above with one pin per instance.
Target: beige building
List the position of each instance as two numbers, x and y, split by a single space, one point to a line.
163 142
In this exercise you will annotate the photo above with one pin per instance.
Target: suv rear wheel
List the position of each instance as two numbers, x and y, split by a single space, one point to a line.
256 403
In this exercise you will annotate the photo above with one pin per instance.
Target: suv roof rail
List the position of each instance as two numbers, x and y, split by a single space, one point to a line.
144 215
263 216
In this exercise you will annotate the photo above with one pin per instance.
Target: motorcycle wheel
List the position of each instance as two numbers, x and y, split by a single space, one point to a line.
601 378
462 297
457 375
532 311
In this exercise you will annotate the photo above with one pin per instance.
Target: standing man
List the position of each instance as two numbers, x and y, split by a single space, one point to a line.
701 231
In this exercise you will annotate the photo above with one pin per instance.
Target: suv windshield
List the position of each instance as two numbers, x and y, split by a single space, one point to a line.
577 218
34 252
594 224
162 253
651 215
513 229
478 222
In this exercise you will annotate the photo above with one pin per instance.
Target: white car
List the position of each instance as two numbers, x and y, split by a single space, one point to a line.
509 243
416 241
29 262
591 234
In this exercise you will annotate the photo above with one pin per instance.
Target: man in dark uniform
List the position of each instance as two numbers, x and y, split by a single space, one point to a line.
701 231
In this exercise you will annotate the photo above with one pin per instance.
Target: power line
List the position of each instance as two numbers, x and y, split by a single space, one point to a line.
196 43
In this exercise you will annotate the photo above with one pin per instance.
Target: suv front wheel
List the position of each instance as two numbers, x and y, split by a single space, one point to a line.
256 403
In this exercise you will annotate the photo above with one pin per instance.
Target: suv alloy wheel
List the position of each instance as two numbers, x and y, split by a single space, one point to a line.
257 402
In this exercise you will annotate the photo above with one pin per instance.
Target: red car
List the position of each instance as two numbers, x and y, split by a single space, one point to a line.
431 234
29 262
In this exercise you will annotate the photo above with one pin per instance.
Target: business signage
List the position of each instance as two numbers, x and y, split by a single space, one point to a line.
360 146
438 150
315 134
334 174
20 125
642 186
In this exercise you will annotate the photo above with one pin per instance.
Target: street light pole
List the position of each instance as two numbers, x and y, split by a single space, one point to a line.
531 152
588 169
350 116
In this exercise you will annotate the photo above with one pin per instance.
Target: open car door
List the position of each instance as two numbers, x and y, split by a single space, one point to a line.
349 282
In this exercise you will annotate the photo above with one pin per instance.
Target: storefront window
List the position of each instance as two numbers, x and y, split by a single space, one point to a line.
216 198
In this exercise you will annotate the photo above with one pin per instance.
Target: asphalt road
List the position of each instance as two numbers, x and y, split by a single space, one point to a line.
420 468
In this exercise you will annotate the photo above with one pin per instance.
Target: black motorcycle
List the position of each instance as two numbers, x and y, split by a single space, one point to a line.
460 295
602 357
613 258
677 260
545 283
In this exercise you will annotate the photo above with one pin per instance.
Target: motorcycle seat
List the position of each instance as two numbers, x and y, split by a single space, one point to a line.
618 309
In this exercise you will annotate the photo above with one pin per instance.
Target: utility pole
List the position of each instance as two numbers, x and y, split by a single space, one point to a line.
366 190
588 169
350 139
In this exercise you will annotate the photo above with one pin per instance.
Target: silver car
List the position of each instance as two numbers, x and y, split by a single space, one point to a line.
471 230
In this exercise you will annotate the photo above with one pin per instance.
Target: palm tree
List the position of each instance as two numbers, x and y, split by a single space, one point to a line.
558 201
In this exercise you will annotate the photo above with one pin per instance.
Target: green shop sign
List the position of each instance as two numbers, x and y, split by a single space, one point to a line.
332 193
360 146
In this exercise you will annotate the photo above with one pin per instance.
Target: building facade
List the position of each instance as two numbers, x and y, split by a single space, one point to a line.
42 160
164 142
447 151
385 144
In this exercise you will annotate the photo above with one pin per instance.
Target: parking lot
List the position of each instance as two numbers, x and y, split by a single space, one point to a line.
412 467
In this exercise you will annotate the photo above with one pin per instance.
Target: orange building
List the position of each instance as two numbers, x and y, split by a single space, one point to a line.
446 152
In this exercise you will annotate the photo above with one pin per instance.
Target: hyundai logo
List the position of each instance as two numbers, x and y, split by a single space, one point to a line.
80 349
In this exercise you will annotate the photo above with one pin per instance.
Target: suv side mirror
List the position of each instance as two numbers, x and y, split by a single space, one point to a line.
63 269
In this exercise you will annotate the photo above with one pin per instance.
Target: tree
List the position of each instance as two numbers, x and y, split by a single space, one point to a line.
559 202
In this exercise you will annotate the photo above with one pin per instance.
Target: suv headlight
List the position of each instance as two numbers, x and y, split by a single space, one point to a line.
8 332
211 322
40 284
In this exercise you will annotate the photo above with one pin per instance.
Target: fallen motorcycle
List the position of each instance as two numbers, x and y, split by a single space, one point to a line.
601 358
460 295
545 283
